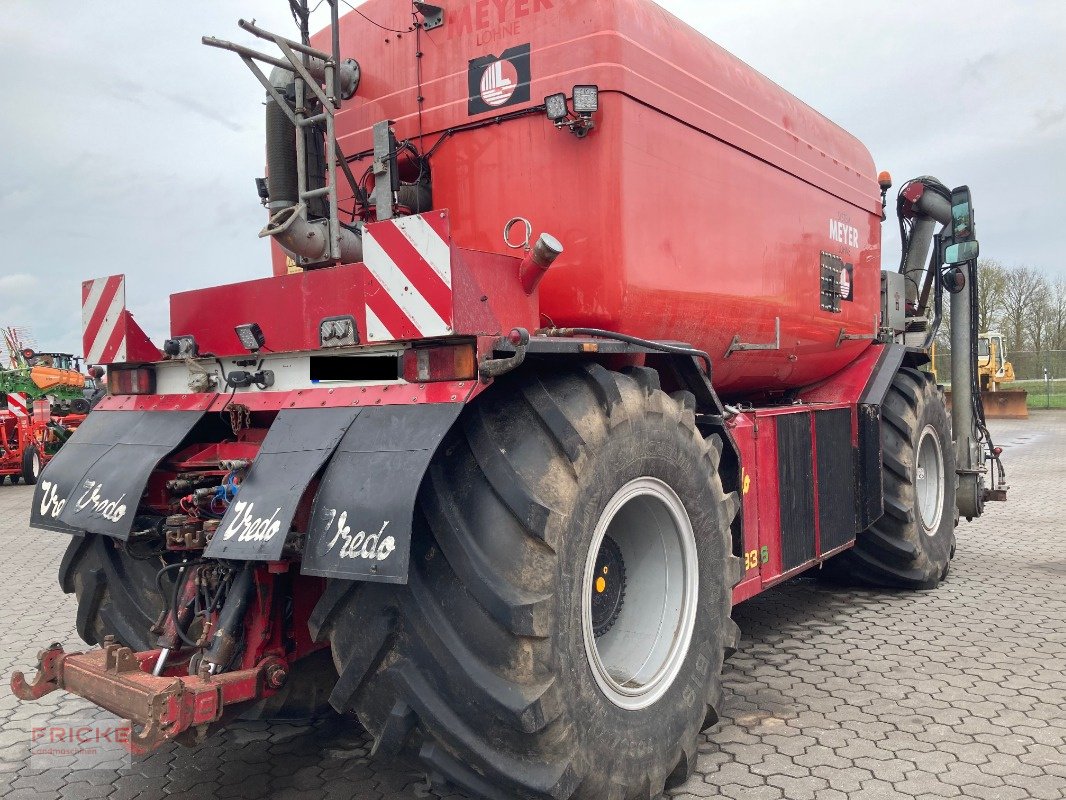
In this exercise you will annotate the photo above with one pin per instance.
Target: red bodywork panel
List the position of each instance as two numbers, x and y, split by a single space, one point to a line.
756 435
485 298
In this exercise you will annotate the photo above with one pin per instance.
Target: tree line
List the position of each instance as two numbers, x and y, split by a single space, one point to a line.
1024 303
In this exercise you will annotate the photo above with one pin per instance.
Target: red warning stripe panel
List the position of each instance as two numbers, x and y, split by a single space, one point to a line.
409 275
386 321
115 344
18 404
103 312
424 279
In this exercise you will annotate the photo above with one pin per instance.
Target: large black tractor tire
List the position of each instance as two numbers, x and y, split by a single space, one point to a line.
480 669
912 544
31 465
117 595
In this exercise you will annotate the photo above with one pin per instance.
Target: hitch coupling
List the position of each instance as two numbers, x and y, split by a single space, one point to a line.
160 708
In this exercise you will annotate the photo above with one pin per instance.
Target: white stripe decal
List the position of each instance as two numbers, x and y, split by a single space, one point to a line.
425 320
375 329
107 327
16 404
96 291
429 245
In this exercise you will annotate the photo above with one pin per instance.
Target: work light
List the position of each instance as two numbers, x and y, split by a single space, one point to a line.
251 336
556 106
586 100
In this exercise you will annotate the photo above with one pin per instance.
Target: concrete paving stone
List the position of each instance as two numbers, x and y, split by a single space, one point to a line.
835 694
83 790
849 779
738 792
1045 787
918 783
799 788
995 793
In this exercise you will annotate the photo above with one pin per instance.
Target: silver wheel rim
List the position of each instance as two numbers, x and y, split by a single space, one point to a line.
36 464
636 661
929 480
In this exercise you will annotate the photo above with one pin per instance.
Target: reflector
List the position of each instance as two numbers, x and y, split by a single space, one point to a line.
135 380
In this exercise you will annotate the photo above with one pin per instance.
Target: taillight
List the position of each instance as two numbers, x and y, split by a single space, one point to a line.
450 362
131 380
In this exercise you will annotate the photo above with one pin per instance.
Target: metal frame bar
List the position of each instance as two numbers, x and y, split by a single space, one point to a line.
304 66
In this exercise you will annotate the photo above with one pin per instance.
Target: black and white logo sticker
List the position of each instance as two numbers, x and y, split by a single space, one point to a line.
497 82
847 277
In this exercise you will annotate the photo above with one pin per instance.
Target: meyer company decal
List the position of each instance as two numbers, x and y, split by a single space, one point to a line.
371 548
846 235
499 81
847 282
495 20
843 232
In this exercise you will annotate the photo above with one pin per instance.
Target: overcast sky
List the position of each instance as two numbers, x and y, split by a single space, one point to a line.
126 146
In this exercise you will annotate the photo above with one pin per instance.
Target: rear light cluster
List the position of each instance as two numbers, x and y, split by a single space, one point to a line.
131 380
451 362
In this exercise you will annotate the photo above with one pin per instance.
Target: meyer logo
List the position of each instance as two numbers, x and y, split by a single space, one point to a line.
843 233
494 20
499 81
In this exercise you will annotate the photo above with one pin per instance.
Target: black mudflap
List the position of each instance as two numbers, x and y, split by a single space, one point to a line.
298 443
95 482
362 516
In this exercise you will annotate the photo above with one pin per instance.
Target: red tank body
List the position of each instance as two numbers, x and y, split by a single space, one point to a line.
697 210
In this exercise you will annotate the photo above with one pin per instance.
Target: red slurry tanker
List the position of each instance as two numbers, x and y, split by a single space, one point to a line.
577 336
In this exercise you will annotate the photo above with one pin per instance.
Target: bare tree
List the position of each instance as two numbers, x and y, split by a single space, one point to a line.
991 288
1039 320
1057 322
1025 288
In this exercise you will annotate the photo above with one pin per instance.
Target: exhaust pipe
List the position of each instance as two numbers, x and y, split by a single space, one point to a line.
305 239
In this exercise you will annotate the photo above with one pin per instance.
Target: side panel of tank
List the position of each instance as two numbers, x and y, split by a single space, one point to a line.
697 210
717 244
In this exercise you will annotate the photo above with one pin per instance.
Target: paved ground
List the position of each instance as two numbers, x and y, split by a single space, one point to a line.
834 695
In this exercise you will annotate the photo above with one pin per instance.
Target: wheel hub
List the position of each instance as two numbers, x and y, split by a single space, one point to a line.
929 480
608 587
638 616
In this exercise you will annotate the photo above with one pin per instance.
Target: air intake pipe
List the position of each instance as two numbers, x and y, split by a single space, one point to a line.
301 230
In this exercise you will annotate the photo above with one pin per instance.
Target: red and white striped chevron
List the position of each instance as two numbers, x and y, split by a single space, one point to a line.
408 289
103 306
18 404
